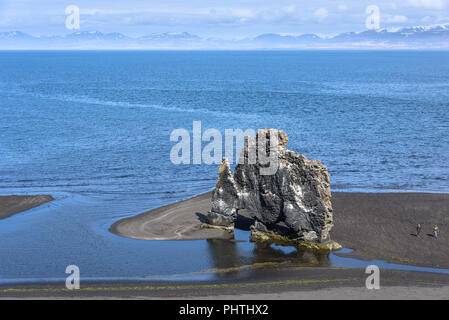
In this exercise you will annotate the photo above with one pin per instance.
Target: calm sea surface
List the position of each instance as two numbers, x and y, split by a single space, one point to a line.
93 128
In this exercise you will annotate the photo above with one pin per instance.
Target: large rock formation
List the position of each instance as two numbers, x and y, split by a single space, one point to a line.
291 203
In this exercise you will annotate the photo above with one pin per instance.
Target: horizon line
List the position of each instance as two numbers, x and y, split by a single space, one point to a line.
282 34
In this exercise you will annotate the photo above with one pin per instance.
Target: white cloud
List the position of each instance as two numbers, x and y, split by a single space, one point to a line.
442 19
321 14
235 12
428 4
5 22
342 7
289 9
396 19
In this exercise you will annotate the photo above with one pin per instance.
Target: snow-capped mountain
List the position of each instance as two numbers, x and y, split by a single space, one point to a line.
14 35
418 37
95 35
430 35
169 36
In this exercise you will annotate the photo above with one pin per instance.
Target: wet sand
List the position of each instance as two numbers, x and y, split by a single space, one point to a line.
10 205
178 221
376 225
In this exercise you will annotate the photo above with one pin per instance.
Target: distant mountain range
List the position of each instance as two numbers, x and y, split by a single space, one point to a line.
429 37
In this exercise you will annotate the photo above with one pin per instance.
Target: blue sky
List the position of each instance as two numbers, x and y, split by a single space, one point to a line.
226 18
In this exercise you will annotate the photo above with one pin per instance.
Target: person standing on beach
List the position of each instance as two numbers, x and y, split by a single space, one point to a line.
435 231
418 229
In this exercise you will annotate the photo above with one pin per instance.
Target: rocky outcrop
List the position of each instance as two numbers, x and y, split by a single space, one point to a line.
290 203
224 201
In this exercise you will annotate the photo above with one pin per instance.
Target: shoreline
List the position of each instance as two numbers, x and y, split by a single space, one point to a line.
377 226
13 204
266 283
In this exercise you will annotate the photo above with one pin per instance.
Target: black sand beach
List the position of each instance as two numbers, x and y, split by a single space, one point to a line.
258 283
10 205
383 226
376 225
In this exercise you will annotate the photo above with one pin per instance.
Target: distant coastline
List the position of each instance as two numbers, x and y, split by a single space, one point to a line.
407 38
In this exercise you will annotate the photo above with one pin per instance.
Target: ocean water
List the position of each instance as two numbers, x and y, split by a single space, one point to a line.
93 128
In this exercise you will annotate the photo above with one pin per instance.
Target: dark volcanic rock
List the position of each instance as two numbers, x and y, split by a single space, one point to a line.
224 198
297 193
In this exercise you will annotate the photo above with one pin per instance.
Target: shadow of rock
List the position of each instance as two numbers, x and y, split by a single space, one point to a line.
202 217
